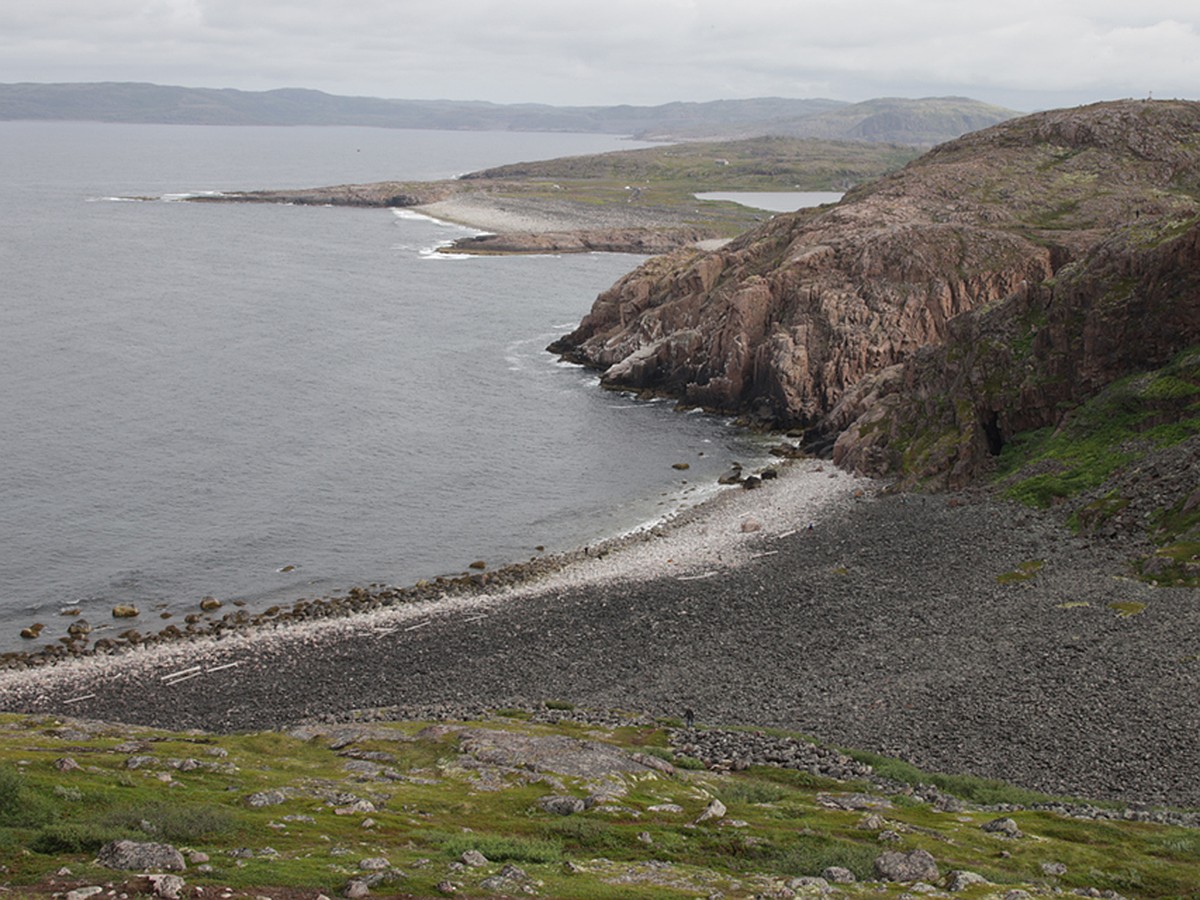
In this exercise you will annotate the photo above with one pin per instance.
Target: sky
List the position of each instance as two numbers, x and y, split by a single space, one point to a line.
1023 54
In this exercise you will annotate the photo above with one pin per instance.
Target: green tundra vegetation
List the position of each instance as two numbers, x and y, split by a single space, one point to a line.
1118 432
318 808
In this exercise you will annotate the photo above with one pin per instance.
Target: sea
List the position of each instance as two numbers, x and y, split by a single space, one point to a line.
266 402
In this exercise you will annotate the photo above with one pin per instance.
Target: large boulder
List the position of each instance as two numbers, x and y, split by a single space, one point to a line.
916 865
562 805
138 856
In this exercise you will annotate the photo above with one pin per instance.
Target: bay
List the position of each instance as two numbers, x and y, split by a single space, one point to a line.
268 402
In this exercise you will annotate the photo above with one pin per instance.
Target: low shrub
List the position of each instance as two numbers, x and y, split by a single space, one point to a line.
813 855
73 837
500 848
173 823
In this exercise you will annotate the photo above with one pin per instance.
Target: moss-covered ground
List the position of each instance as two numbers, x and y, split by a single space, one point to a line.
430 803
1104 442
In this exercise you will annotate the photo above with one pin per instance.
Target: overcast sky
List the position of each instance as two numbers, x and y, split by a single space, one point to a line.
1025 54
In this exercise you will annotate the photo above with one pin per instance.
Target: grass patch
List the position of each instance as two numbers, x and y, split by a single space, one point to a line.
745 791
581 834
173 822
811 855
503 848
1140 412
973 789
74 837
1126 608
1022 572
20 804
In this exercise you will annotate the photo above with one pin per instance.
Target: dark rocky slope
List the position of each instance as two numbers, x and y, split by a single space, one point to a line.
1069 236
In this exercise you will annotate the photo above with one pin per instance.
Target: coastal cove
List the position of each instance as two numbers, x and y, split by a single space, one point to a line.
850 631
266 403
958 631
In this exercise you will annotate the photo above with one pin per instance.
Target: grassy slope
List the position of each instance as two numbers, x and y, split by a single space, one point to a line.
439 808
759 164
640 187
667 178
1113 435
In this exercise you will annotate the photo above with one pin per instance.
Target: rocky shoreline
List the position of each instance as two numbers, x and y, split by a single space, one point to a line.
958 632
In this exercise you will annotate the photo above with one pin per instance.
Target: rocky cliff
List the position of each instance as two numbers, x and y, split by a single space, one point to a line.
980 289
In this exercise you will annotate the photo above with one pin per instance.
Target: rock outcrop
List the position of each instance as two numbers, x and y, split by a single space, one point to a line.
140 855
977 291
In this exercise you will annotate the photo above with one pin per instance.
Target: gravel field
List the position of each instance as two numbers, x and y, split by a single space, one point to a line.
886 626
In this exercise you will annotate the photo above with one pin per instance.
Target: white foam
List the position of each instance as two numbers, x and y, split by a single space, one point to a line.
189 195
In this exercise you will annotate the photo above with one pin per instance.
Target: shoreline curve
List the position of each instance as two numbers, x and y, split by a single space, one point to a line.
887 626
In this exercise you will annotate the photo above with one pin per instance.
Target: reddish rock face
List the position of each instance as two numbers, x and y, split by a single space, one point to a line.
786 322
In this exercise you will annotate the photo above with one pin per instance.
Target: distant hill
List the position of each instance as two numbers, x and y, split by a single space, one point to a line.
915 122
888 120
896 120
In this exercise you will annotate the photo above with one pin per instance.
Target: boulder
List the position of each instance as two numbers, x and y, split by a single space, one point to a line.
562 805
915 865
266 798
166 887
838 875
473 858
125 611
135 855
872 822
809 882
714 810
1004 826
961 880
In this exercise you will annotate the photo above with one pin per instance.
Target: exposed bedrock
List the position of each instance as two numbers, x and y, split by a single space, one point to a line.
1075 225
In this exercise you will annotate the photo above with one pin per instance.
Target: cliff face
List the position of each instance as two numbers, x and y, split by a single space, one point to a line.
1127 307
1073 231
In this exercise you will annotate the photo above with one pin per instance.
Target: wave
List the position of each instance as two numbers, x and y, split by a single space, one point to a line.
189 195
414 216
436 250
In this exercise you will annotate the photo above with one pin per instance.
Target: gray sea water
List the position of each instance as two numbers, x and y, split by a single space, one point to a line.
272 402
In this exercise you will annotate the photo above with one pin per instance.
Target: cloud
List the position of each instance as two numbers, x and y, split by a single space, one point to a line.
637 51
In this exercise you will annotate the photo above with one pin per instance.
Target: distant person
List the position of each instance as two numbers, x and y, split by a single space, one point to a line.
689 717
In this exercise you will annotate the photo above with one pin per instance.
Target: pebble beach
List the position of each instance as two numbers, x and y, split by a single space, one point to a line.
958 632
